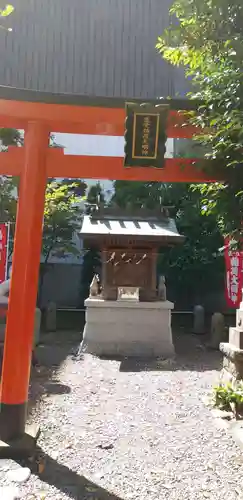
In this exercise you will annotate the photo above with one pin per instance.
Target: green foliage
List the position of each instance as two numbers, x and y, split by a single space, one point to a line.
62 214
61 219
10 137
95 194
225 395
62 204
191 268
138 194
78 187
8 9
9 185
8 200
206 38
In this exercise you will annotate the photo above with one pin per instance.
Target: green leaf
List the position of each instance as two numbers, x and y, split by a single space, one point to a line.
206 40
9 9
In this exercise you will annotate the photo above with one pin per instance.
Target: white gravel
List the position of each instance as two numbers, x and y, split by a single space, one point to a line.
126 430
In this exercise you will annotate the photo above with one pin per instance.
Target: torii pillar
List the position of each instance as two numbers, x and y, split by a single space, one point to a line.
23 291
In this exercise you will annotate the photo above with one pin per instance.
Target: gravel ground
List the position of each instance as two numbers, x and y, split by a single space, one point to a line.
130 430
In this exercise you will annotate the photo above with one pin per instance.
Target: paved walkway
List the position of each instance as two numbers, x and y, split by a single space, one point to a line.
126 430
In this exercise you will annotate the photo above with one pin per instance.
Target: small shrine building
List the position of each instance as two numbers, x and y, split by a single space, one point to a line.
127 312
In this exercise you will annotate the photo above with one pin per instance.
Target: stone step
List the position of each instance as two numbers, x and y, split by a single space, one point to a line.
236 337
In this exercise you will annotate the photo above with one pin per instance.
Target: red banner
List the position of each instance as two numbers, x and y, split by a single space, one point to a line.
234 281
3 251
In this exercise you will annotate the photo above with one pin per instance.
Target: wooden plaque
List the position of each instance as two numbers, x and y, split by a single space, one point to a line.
145 135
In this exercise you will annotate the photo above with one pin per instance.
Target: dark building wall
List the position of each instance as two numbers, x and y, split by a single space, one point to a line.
62 285
90 47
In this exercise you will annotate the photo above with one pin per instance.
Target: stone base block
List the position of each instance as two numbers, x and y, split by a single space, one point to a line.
129 329
232 362
22 447
236 337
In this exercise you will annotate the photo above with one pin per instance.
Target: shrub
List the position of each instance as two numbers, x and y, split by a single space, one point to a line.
225 395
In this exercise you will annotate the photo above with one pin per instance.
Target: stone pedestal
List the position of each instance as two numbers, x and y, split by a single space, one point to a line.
233 351
217 331
126 328
51 317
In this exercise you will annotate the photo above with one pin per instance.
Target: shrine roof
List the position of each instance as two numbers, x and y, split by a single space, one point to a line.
153 228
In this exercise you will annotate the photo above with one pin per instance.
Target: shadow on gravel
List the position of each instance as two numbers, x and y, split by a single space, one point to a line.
70 482
191 355
51 354
176 364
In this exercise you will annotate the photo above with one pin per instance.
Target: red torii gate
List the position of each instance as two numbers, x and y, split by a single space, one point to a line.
39 114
